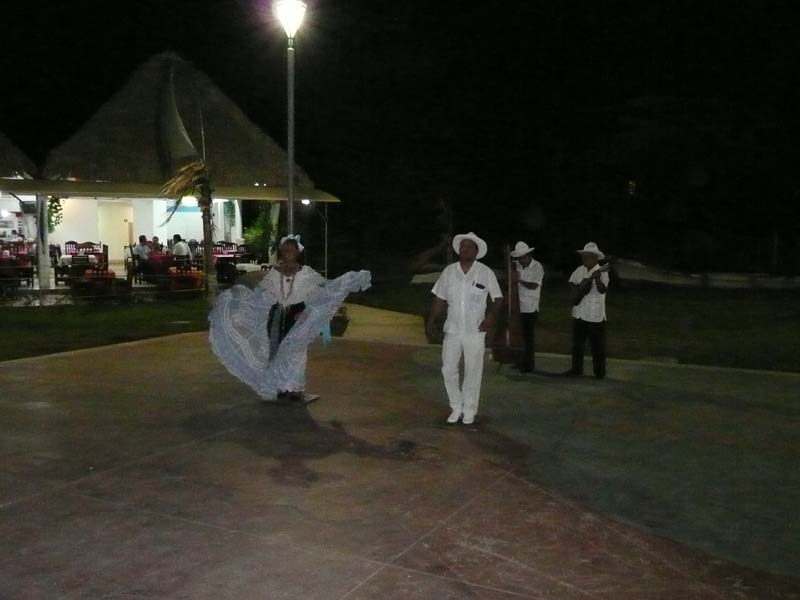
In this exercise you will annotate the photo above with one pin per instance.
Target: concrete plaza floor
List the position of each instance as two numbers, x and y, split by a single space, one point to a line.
146 471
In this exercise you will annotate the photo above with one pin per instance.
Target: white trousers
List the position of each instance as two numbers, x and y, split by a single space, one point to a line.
464 398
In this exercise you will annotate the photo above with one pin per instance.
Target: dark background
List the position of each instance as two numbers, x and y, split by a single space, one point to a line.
662 131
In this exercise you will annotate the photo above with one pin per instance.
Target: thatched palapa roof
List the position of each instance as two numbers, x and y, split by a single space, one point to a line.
13 162
130 139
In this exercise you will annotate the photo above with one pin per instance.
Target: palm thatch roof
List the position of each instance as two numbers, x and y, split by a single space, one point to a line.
132 137
13 162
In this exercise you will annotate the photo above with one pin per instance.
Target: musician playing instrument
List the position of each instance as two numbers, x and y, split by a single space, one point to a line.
589 283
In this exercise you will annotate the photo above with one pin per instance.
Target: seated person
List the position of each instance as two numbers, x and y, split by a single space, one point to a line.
180 249
156 246
142 249
141 253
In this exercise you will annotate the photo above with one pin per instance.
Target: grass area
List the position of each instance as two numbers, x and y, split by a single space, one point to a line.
48 329
741 328
737 328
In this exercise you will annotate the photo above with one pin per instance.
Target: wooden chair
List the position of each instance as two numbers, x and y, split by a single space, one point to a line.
71 247
132 266
55 253
244 250
89 248
183 264
78 267
9 276
25 269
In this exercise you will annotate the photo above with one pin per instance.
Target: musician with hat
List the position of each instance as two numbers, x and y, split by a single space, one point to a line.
528 275
462 291
589 283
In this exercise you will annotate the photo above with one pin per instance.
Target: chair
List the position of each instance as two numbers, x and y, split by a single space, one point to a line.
246 255
78 267
55 253
71 247
183 264
133 264
89 248
25 269
9 276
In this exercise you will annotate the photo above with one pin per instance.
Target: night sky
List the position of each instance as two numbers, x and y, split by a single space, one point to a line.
506 117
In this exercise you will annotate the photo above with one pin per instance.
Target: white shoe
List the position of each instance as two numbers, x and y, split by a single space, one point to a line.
468 420
454 416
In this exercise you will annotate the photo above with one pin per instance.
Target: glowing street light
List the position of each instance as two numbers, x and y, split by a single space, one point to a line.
290 14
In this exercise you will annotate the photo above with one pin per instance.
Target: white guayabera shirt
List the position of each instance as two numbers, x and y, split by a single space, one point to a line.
465 294
528 298
142 251
592 307
181 249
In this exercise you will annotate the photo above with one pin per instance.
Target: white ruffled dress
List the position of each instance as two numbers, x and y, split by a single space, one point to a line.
240 339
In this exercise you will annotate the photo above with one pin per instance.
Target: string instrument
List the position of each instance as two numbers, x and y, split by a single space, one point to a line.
508 346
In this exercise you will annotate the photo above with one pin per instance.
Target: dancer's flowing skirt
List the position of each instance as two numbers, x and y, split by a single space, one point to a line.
240 337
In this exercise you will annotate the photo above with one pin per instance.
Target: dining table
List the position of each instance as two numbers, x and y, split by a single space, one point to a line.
66 259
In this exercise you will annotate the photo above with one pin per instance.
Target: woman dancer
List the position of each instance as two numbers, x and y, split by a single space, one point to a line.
293 283
262 335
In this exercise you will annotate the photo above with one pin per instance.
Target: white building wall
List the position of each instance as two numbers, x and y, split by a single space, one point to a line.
142 218
148 219
188 221
159 211
80 223
115 218
85 219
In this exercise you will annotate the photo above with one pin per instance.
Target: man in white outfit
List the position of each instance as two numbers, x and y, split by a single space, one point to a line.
528 275
589 284
461 290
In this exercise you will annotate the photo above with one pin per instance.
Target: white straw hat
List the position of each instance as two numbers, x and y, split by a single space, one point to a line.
520 250
591 248
482 248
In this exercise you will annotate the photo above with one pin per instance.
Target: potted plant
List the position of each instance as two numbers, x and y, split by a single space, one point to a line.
339 322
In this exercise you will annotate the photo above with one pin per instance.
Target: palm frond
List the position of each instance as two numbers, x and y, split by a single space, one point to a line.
185 183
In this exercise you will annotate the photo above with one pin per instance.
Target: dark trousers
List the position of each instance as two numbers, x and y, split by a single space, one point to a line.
280 321
529 338
596 332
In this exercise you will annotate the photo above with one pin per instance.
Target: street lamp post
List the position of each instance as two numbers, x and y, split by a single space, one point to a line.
290 14
324 217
